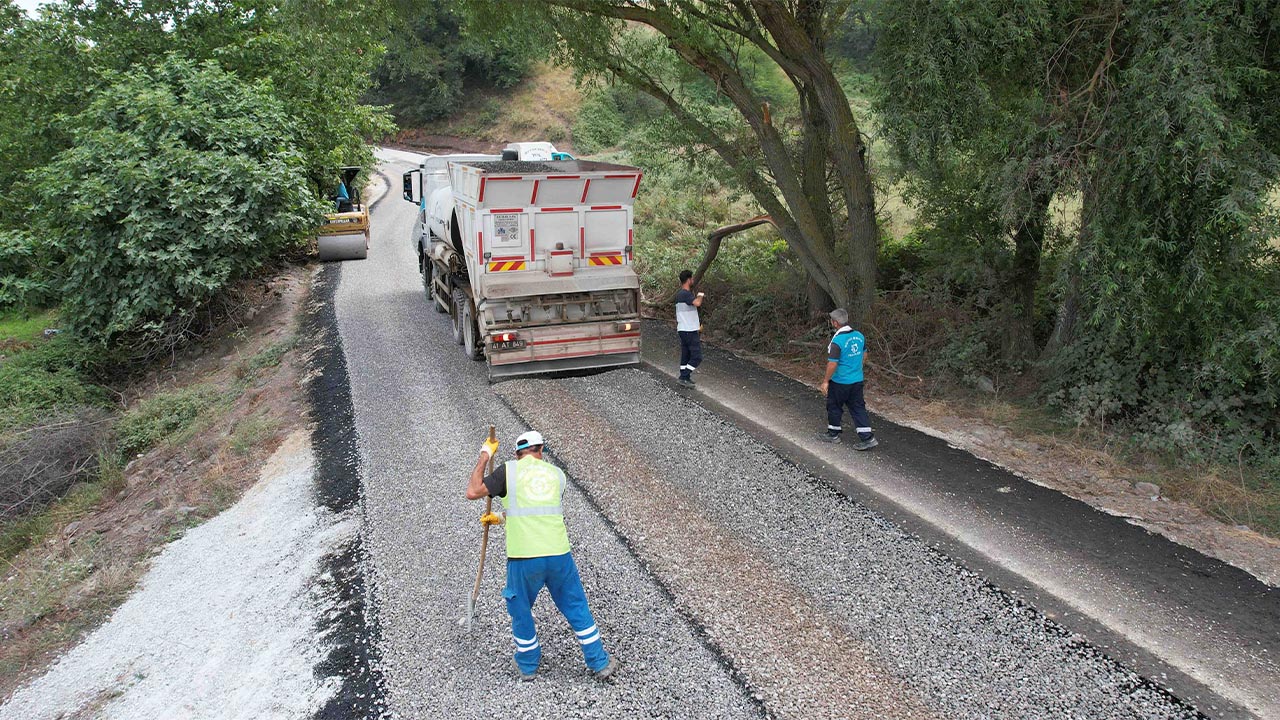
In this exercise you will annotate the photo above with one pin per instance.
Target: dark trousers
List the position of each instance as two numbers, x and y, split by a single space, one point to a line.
690 352
840 396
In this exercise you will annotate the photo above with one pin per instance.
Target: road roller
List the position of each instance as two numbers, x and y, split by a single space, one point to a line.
345 233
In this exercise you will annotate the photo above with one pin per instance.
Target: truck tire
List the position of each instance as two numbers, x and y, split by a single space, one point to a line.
459 302
470 332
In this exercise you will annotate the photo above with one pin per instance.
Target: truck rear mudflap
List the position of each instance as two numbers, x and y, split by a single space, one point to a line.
580 346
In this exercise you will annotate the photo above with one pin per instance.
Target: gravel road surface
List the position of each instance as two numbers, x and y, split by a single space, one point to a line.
728 581
422 411
764 557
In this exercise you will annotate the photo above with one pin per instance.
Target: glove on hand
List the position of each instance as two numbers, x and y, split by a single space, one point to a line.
491 519
491 447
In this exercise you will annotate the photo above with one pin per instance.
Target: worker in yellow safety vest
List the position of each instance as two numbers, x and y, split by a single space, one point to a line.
538 552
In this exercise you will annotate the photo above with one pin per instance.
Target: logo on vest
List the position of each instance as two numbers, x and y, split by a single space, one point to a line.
541 486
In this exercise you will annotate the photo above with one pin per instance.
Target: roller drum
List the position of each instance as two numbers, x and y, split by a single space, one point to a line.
342 247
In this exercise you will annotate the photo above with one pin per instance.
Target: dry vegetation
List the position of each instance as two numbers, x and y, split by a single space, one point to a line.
543 107
210 420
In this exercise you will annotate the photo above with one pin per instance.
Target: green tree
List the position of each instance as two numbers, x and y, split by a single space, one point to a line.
718 69
1160 119
181 180
432 58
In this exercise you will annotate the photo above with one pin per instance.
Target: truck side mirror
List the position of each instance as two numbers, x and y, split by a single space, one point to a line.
408 193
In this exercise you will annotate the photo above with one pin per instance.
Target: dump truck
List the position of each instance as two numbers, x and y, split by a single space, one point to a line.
530 253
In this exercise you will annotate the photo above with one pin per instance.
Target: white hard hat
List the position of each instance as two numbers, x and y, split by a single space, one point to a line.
528 440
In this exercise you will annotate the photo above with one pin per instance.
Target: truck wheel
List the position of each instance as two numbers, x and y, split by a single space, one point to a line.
459 302
470 332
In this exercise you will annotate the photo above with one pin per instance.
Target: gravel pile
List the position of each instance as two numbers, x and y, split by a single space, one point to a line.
968 649
422 411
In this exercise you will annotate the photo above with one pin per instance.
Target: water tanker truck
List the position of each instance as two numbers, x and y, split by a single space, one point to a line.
530 253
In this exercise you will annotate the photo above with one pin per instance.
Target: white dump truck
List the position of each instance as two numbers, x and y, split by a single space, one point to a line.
530 252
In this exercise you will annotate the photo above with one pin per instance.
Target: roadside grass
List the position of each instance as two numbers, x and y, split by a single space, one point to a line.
24 327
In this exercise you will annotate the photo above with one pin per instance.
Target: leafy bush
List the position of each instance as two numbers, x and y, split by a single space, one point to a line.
24 280
50 377
599 125
182 181
161 418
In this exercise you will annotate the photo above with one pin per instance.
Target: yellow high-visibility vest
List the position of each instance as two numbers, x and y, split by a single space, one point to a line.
535 519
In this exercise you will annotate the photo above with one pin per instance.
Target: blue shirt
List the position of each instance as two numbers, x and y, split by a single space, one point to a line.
847 348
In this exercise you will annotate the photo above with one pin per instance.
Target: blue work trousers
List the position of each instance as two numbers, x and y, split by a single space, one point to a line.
690 352
525 579
840 396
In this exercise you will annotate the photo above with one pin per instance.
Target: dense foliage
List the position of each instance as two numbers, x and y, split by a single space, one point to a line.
151 153
432 58
186 180
1156 124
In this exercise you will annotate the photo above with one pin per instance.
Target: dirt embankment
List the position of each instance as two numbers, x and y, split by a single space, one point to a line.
249 376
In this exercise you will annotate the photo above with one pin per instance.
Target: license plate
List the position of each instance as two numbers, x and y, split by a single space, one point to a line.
508 345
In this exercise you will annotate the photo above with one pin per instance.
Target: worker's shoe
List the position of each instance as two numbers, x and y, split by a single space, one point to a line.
687 382
607 671
828 437
526 676
866 444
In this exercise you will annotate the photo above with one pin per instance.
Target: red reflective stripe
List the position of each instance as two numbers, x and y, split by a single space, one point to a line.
584 339
636 189
481 198
503 177
533 200
564 177
531 256
585 185
582 239
606 207
480 244
556 209
506 210
615 177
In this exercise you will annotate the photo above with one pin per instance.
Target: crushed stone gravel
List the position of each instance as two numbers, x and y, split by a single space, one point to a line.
223 623
422 410
967 648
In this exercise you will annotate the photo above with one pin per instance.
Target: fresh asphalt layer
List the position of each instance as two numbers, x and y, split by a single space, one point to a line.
1207 630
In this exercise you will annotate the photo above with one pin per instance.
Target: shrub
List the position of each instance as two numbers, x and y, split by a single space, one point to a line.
42 462
162 417
48 378
182 180
24 278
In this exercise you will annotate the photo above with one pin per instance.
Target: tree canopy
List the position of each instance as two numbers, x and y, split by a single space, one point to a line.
752 82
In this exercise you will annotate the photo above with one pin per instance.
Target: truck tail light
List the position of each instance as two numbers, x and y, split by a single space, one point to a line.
627 326
505 337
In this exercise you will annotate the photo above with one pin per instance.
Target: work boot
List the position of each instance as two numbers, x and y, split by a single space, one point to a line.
525 676
607 671
687 382
828 437
866 444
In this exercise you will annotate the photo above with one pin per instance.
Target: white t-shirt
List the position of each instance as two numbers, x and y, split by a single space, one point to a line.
686 311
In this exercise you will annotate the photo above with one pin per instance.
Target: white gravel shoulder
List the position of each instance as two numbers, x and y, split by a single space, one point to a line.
223 624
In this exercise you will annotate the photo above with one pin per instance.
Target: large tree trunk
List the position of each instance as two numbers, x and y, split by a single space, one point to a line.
1028 244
